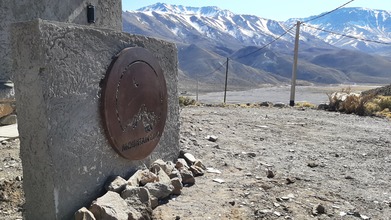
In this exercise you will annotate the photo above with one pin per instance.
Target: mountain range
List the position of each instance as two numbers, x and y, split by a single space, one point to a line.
207 36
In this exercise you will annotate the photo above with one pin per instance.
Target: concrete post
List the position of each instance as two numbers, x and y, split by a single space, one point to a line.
294 68
108 14
65 154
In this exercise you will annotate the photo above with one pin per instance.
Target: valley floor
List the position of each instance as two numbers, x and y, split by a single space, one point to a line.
326 165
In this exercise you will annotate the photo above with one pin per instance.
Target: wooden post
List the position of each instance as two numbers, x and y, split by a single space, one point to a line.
226 81
294 68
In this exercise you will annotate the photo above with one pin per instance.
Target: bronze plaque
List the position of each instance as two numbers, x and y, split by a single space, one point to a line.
134 103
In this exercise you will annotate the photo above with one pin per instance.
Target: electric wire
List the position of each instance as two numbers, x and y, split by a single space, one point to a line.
289 31
266 45
348 36
217 69
327 13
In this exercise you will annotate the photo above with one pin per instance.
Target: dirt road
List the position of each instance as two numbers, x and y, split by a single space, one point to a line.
275 163
327 165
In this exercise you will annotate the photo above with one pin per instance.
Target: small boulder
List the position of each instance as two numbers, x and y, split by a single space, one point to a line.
181 163
199 164
147 176
175 174
112 206
159 190
84 214
177 184
166 166
187 177
117 185
197 171
8 120
134 180
161 175
137 193
5 109
212 138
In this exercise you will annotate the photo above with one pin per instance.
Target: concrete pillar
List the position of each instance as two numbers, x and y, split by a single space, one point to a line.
108 14
66 156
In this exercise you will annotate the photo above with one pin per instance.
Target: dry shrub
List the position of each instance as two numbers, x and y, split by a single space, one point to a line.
334 102
384 102
305 105
186 101
356 104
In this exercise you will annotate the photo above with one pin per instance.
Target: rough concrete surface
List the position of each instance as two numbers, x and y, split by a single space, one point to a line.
66 156
108 14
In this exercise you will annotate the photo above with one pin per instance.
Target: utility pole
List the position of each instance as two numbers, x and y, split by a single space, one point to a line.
197 91
294 68
226 81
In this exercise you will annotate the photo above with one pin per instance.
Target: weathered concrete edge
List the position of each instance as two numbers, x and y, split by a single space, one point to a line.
34 66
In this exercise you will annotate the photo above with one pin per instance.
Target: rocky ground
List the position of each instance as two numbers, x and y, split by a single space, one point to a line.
269 163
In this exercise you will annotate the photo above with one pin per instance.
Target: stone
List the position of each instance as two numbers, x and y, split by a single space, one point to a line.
187 177
112 206
251 154
212 138
279 105
166 166
290 180
190 159
8 120
141 194
57 72
147 176
117 185
139 210
197 171
178 186
199 164
318 209
181 163
213 170
270 173
134 180
159 190
84 214
265 104
162 176
219 180
175 174
154 202
312 164
6 109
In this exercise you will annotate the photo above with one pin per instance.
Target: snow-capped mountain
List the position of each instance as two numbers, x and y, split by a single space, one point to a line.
363 23
205 36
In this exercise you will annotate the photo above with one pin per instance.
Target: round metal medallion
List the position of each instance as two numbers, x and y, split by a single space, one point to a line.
134 103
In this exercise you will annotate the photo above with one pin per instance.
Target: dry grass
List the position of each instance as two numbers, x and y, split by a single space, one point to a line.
305 105
186 101
367 104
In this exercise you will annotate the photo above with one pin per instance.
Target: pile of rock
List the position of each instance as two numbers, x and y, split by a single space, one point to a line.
7 103
7 112
136 197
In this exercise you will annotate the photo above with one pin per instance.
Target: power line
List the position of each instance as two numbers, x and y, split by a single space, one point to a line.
324 14
266 45
217 69
348 36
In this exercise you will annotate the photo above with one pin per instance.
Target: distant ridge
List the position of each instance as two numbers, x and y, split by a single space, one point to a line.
206 36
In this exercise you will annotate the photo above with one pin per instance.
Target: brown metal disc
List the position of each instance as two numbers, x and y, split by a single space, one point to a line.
134 103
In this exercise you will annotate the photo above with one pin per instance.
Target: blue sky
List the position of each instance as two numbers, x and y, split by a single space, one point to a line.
279 10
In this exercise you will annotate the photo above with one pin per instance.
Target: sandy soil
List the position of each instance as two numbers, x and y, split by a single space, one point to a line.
275 163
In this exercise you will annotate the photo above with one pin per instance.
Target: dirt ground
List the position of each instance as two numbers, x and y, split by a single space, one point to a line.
275 163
